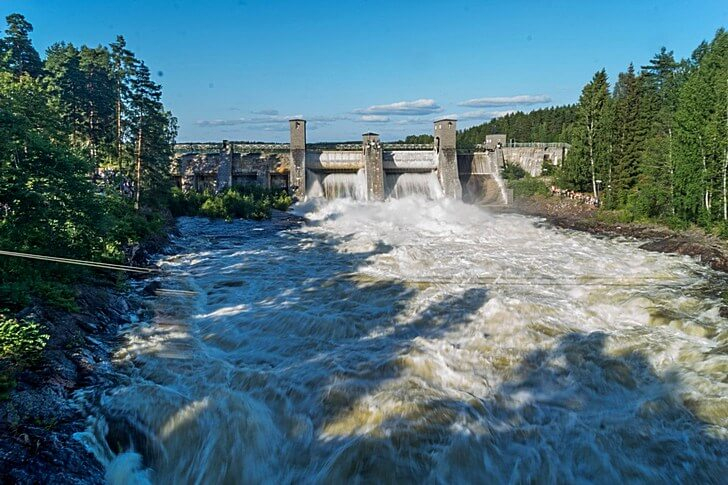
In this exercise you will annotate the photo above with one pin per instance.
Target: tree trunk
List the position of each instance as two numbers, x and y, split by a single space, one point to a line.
138 191
590 139
672 172
118 130
725 187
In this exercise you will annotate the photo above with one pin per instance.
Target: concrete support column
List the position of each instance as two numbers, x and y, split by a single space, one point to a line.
225 169
297 175
447 158
373 166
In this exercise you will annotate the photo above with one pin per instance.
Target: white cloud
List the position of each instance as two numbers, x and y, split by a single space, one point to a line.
523 99
417 107
374 118
266 112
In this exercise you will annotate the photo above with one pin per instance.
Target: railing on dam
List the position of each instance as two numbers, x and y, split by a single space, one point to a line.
385 146
530 144
203 148
514 144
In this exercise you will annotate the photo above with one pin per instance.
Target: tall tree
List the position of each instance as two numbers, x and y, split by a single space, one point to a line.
152 132
17 53
701 135
123 66
630 130
590 154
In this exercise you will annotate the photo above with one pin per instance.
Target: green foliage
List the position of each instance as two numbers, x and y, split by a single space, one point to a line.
513 171
544 125
21 341
21 345
419 139
656 147
250 202
61 118
528 186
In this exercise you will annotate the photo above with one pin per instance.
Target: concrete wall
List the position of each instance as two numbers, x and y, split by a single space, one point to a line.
297 179
213 171
410 161
531 159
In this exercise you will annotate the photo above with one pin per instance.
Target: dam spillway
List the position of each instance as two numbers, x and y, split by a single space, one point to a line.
382 173
372 170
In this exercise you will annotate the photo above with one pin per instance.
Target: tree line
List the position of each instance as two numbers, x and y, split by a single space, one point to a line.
654 145
544 125
62 117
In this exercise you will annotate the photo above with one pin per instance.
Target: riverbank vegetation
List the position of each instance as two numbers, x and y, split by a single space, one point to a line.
249 202
651 147
62 119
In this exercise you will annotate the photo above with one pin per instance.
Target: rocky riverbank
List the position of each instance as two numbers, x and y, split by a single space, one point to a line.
710 250
39 417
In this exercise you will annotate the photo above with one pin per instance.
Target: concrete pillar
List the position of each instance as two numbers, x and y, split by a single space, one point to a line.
373 166
225 168
297 175
447 158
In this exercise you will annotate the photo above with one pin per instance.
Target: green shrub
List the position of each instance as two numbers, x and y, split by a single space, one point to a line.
21 341
512 171
21 344
250 202
528 186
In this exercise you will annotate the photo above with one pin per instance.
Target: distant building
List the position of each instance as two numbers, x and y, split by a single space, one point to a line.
492 141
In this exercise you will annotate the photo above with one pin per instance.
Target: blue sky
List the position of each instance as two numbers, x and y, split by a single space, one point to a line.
237 69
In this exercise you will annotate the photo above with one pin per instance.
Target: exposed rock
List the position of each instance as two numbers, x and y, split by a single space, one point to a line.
39 417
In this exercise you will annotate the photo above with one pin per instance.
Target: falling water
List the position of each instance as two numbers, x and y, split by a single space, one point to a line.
399 185
415 341
490 163
337 185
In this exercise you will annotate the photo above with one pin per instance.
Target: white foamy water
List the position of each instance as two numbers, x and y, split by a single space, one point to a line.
419 342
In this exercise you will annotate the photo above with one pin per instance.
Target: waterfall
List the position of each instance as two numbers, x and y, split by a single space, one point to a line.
336 185
399 185
499 162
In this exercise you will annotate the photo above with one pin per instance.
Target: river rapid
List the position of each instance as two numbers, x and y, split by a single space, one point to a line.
418 341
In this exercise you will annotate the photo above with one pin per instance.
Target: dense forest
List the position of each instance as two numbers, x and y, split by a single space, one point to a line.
544 125
654 146
63 118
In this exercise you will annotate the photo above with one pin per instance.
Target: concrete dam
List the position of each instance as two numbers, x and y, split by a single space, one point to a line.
372 170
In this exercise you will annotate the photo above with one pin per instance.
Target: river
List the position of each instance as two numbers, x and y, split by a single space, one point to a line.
418 342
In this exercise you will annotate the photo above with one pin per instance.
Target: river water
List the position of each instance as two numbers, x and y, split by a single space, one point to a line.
418 342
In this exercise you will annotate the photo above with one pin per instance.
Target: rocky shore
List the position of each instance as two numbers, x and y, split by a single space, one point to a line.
708 249
41 414
39 418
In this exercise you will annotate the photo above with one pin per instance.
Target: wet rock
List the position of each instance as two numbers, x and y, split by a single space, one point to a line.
152 288
723 312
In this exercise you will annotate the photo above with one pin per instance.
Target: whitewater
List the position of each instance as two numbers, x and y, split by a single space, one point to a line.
417 341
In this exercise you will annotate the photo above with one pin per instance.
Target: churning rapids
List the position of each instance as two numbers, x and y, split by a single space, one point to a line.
418 342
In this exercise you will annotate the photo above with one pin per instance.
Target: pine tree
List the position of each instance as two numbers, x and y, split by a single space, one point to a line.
631 128
152 132
123 65
701 136
17 53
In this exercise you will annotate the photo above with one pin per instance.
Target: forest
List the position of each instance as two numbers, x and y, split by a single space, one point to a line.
65 118
653 145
